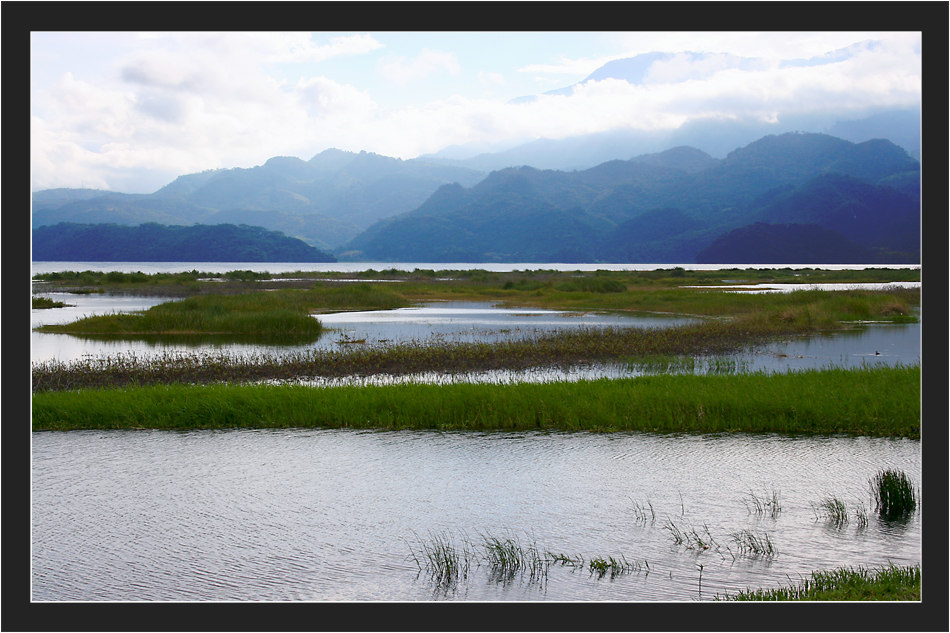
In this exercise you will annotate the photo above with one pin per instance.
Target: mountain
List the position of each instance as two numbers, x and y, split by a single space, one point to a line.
663 207
151 242
325 201
762 243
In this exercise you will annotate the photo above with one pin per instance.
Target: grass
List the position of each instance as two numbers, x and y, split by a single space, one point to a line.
283 314
506 557
754 544
690 538
883 401
446 562
833 510
890 582
45 303
893 493
767 504
240 306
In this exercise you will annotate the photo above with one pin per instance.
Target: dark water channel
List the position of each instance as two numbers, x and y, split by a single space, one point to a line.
336 514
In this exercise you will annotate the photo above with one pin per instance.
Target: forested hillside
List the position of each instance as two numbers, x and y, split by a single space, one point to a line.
152 242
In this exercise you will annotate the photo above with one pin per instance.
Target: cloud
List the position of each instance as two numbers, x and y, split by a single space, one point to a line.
490 79
324 97
183 103
401 71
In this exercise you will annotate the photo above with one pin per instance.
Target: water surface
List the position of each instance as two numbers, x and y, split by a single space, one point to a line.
336 514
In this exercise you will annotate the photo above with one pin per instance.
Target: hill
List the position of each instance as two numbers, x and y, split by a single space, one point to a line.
325 201
151 242
659 208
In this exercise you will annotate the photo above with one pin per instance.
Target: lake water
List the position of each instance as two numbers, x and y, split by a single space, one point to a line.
335 515
338 515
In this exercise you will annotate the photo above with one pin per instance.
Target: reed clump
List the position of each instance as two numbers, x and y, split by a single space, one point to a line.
893 494
833 510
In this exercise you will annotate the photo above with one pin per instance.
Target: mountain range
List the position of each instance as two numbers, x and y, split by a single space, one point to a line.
706 190
666 207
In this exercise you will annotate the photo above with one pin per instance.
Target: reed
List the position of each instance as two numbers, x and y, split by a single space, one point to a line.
893 494
507 556
644 512
888 582
614 567
833 510
754 544
884 402
767 504
446 562
691 538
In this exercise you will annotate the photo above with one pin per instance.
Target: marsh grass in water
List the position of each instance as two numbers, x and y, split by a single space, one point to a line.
45 303
691 538
448 561
284 313
833 510
754 544
889 582
885 403
894 494
765 504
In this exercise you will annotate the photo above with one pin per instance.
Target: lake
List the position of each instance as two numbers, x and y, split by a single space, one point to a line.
335 515
343 515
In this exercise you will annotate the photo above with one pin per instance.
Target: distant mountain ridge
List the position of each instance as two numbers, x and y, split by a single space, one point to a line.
325 201
665 207
151 242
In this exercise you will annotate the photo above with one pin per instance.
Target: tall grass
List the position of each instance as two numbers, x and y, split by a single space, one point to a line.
767 504
754 544
893 493
446 561
833 510
883 401
890 582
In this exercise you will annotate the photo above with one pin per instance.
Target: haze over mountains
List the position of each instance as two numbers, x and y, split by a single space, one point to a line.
832 189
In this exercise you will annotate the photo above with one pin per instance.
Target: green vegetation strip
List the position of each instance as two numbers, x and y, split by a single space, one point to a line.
891 582
878 401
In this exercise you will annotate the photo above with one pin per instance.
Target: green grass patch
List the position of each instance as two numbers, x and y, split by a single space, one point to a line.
45 303
878 401
893 493
286 314
891 582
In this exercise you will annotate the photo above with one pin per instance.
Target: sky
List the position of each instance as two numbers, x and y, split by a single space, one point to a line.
131 111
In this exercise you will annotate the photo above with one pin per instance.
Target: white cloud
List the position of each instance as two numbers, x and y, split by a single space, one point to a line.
187 102
401 71
490 79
